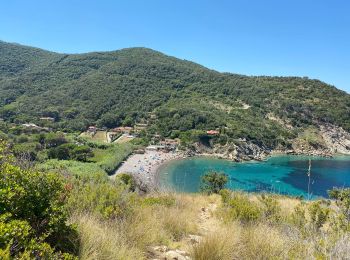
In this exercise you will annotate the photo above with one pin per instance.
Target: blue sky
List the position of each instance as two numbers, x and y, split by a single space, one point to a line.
270 37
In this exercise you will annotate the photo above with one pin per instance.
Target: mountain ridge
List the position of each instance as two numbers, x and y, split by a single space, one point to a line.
123 87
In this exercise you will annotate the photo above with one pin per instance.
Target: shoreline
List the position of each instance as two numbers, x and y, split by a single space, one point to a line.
145 168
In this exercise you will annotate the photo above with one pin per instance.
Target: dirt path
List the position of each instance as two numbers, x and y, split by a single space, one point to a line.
207 224
206 220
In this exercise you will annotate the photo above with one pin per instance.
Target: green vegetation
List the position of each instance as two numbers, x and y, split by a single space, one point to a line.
58 151
213 182
110 158
71 167
32 215
129 86
57 202
44 215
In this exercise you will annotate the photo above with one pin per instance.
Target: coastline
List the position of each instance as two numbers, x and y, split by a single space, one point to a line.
145 168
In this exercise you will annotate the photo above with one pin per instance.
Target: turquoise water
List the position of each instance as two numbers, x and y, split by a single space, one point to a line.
279 174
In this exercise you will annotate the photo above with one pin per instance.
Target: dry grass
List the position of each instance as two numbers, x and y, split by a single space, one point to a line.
129 239
103 240
218 245
263 242
158 224
236 241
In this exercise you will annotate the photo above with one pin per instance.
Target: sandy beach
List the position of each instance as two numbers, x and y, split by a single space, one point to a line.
144 166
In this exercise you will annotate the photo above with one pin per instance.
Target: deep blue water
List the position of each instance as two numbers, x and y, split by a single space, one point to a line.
279 174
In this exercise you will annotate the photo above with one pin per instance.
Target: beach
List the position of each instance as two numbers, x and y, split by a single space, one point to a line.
145 166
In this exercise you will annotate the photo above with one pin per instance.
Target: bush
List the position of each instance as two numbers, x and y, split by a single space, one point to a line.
342 197
110 158
70 151
271 208
241 208
33 203
126 179
213 182
318 214
68 167
102 197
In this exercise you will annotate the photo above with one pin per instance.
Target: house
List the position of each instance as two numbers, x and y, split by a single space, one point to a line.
213 132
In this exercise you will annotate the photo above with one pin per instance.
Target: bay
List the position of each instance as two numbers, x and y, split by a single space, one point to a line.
278 174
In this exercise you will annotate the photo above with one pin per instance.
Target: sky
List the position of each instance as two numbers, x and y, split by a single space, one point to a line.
252 37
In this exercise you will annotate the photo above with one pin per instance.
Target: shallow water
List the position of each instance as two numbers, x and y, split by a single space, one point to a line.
279 174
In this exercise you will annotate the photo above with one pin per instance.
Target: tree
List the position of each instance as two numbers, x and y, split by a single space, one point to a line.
81 153
61 152
213 182
70 151
54 139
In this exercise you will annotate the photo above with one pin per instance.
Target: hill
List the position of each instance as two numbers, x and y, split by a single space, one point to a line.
128 86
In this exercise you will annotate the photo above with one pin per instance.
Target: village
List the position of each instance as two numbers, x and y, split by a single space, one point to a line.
144 160
117 135
125 134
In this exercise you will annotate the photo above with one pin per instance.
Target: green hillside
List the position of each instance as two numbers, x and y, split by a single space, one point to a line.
123 87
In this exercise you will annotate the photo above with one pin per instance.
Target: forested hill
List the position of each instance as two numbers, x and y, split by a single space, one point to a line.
131 85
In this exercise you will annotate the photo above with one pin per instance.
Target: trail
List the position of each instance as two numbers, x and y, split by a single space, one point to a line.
207 224
207 220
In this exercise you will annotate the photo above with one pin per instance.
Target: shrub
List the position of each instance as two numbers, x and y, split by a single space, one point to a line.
318 214
70 151
33 203
241 208
225 195
213 182
342 197
161 200
271 208
102 197
111 157
126 179
299 216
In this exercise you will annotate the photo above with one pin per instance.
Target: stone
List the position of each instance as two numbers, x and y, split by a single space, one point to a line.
175 255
